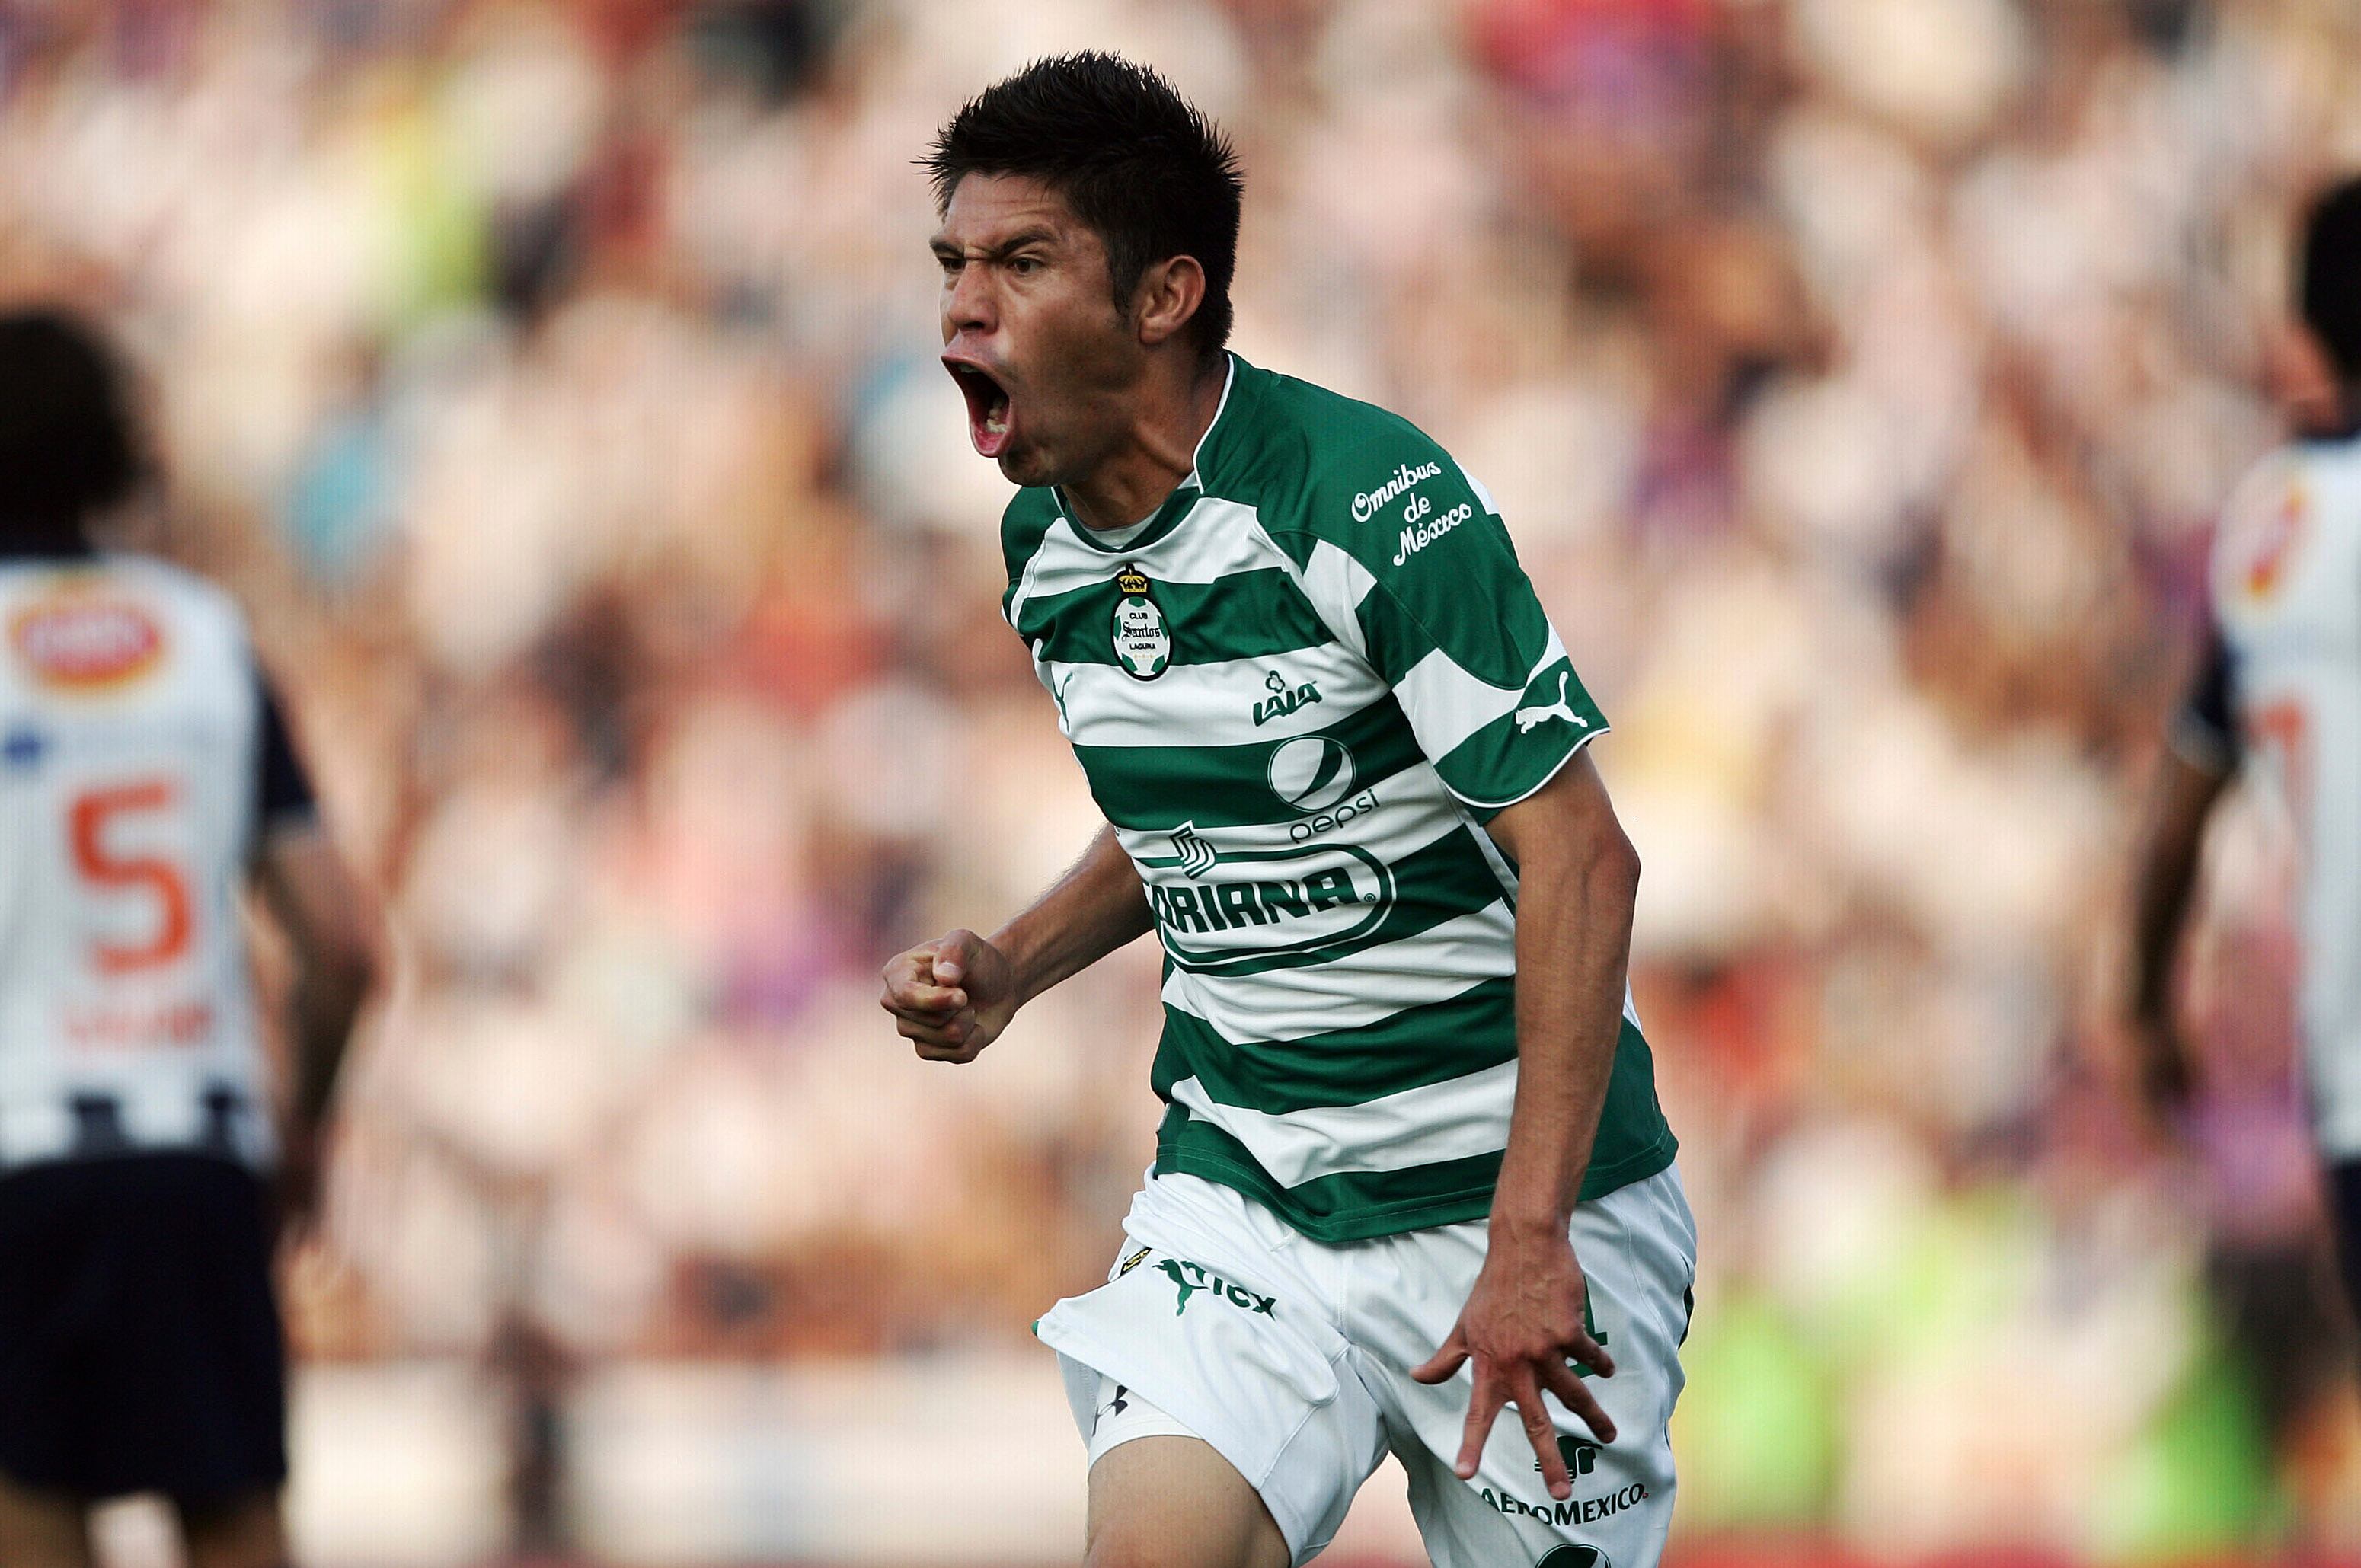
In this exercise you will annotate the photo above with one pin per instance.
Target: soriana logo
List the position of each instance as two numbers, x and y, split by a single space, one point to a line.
86 640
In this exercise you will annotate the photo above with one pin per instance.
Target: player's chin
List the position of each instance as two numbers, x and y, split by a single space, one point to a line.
1024 464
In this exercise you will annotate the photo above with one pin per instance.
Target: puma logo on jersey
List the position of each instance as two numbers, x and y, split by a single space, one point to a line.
1532 718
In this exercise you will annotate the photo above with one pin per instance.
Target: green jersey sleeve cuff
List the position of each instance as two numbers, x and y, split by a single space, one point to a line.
1514 753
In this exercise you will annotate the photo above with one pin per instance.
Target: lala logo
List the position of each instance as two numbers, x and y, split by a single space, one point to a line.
1284 699
86 640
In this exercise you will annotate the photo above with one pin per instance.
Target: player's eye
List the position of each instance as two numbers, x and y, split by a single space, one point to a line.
950 262
1025 265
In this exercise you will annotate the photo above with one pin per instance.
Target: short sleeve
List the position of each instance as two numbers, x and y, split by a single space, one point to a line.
1449 620
2204 729
283 795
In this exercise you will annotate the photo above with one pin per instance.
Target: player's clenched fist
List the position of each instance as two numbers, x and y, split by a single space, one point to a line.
950 997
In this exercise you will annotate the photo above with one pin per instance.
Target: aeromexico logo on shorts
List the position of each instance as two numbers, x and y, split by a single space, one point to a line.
1239 910
1191 1278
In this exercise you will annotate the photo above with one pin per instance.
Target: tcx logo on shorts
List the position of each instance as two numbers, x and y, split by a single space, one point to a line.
1191 1278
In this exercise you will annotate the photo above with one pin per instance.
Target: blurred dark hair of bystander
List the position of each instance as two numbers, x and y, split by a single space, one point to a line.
66 448
2329 287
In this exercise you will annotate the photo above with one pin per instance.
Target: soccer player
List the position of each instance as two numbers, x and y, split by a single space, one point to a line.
2282 681
1413 1168
145 777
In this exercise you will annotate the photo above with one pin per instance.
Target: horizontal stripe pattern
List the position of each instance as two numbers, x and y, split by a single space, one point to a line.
1253 615
1212 702
1194 554
1473 1030
1434 1122
1434 964
1352 1206
1160 787
1349 1204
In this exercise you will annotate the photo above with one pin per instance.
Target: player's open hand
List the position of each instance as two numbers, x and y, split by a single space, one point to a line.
950 997
1522 1322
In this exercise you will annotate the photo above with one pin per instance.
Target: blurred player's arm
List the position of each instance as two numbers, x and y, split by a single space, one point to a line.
312 897
953 996
2199 759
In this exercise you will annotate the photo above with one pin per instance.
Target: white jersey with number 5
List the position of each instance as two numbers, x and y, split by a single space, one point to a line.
130 714
2287 597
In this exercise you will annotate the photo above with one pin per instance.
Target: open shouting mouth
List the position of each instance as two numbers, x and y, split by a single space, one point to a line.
990 413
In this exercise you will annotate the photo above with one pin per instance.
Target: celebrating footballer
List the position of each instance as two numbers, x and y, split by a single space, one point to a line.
1411 1172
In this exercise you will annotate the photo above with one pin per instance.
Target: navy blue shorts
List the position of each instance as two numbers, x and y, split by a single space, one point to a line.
140 1348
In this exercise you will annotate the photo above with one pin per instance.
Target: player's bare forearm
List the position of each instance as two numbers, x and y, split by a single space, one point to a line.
1577 876
316 903
326 1003
1097 906
2163 1073
334 939
1524 1325
954 996
2181 799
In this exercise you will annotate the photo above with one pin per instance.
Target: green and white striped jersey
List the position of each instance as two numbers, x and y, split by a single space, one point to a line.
1298 690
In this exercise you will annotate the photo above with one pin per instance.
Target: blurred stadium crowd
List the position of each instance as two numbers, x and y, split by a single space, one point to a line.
555 383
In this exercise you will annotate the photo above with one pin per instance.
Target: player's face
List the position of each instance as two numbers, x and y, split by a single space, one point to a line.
1030 330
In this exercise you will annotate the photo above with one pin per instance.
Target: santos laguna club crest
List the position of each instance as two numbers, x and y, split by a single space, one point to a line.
1142 642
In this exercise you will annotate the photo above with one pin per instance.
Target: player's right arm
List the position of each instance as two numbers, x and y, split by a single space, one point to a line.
2196 764
953 996
316 903
333 938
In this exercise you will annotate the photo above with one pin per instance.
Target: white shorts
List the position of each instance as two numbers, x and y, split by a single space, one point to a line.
1291 1357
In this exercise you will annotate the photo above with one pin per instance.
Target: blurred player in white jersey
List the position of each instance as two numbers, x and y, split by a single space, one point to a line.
2280 687
146 782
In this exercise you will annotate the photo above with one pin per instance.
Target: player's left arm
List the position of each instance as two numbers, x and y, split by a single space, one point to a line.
1577 878
1416 568
2200 757
317 904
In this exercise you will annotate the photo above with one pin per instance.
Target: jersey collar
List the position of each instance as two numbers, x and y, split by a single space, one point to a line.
1184 496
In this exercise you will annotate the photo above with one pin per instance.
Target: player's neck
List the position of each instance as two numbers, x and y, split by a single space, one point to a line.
1157 452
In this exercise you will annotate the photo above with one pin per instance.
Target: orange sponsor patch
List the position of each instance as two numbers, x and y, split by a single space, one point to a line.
2275 540
86 640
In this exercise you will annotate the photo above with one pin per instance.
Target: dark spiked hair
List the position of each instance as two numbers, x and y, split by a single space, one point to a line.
1140 167
2329 286
65 431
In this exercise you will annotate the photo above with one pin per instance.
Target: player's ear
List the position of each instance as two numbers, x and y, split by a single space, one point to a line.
1170 292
